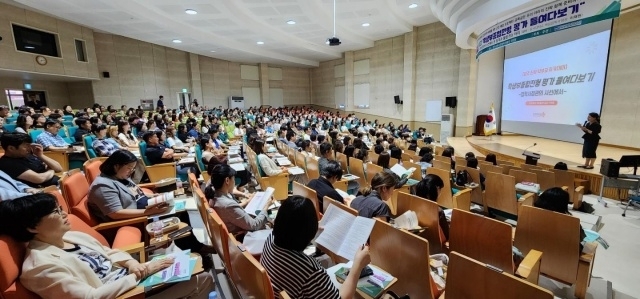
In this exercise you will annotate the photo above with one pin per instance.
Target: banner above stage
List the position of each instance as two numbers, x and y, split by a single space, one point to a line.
555 16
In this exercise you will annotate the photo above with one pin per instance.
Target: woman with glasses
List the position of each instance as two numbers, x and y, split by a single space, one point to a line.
114 196
61 263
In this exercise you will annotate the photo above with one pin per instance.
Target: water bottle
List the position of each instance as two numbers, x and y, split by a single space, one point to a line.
213 295
156 229
178 183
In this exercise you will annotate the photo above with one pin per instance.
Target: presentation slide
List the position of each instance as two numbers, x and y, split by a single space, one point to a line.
545 92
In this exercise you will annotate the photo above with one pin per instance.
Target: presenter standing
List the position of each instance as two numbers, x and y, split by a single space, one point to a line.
591 129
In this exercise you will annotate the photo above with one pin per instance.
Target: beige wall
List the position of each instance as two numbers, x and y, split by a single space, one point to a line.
621 107
67 65
57 93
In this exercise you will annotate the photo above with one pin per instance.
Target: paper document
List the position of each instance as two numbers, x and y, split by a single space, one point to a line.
283 161
235 160
237 166
258 201
344 233
295 170
343 194
408 220
401 171
187 160
164 197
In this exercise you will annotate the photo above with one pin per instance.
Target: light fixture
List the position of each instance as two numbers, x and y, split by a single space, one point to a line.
260 43
334 40
213 51
413 5
291 22
191 12
366 24
176 41
29 47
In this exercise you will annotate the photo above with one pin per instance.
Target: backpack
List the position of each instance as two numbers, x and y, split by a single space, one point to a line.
463 177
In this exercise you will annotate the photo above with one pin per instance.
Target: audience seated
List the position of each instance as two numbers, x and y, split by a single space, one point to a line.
158 153
84 128
556 200
290 269
26 161
429 188
371 202
60 263
491 158
220 196
12 189
102 146
329 174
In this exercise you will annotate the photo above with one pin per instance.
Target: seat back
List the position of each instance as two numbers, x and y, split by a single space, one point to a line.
565 178
427 212
87 141
504 162
469 278
460 161
313 169
74 187
59 198
201 165
9 128
500 192
476 193
373 157
523 176
218 234
481 238
304 191
142 148
249 277
556 235
34 133
441 158
71 131
488 167
417 174
11 259
356 166
342 158
78 225
92 169
202 204
445 198
546 179
371 171
439 164
412 270
527 167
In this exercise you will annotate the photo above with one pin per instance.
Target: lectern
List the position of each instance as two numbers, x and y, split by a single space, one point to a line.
532 158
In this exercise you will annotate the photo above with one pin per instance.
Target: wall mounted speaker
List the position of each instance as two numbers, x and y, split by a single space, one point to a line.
451 102
105 74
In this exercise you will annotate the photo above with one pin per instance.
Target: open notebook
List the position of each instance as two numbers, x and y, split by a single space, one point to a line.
258 202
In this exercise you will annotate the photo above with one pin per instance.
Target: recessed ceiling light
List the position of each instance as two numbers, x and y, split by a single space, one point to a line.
291 22
177 41
413 5
366 24
29 47
191 12
260 43
212 51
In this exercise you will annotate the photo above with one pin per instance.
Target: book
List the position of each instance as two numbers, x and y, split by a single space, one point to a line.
373 285
401 171
295 170
408 221
161 198
283 161
343 194
180 270
258 201
344 233
237 166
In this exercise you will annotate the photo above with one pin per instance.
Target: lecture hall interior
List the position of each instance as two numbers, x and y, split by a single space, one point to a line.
303 99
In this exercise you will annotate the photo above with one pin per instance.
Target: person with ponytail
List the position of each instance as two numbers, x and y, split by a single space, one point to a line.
591 129
371 202
429 188
220 196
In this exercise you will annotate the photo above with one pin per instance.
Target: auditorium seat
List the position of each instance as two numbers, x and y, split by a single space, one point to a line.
446 198
427 213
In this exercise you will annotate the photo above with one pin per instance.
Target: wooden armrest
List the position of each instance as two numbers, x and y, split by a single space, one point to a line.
588 257
529 268
147 185
526 199
565 188
135 293
283 174
120 223
577 198
462 200
135 248
579 189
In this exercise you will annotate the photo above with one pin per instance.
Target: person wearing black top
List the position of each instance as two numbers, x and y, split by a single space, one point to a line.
25 162
84 127
329 174
158 153
591 129
430 188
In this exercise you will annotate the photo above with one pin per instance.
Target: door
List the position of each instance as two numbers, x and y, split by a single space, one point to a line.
184 99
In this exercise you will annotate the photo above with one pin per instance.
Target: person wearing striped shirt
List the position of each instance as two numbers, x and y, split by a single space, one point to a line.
289 269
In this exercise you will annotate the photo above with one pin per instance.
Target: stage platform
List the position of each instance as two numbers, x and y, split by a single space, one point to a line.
510 148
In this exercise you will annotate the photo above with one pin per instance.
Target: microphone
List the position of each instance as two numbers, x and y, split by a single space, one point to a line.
525 150
585 123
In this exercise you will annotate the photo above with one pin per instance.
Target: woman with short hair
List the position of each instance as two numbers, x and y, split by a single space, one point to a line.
60 263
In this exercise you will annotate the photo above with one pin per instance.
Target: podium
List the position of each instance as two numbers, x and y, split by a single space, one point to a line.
532 158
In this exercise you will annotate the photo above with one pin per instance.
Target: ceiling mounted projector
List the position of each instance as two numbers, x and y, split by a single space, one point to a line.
333 41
